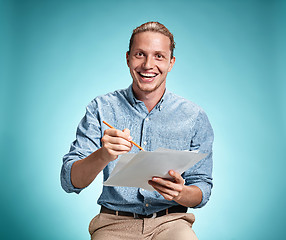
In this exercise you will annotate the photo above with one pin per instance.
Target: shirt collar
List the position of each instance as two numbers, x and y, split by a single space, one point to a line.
130 96
133 100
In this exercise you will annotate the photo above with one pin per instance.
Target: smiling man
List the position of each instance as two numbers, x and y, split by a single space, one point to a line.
154 117
149 60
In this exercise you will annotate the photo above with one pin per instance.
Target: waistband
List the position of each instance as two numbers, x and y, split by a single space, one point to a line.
174 209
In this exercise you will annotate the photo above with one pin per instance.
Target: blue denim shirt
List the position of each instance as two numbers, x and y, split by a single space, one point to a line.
174 123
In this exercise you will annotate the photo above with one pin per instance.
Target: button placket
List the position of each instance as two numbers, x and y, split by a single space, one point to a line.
144 138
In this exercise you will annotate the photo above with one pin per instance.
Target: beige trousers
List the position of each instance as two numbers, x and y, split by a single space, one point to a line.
173 226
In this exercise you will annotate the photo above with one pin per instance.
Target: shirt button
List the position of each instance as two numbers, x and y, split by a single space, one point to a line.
147 119
147 205
145 143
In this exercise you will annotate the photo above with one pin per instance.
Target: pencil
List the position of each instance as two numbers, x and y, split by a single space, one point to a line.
130 141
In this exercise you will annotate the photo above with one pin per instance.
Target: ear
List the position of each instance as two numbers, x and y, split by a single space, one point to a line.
127 58
172 62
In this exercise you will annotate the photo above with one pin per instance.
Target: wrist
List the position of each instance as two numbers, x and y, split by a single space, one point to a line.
104 156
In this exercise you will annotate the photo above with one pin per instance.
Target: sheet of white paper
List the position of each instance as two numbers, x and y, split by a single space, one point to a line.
124 159
134 170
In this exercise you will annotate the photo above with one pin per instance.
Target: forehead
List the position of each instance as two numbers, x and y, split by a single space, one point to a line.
151 41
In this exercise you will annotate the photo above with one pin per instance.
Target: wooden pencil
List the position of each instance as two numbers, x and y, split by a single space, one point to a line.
130 141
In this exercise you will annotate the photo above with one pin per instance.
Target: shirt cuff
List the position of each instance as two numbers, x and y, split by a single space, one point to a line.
66 178
206 193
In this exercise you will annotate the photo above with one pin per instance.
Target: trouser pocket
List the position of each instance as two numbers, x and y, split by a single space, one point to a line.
91 228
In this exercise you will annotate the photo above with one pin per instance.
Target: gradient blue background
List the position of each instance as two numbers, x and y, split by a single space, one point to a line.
56 56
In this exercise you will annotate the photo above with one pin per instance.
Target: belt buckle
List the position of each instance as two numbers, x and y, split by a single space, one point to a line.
136 216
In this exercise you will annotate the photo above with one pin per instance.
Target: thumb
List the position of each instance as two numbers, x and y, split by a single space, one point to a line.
127 132
177 177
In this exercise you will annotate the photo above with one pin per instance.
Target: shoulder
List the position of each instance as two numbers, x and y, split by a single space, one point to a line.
108 99
183 104
111 96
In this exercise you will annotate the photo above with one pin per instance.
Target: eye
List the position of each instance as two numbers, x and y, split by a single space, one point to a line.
159 56
139 54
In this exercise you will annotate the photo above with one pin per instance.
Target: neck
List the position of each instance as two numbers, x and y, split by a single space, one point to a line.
150 99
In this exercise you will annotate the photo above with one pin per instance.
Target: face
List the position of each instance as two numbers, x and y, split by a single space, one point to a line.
149 61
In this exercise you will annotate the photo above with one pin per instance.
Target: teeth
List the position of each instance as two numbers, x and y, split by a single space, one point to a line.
148 74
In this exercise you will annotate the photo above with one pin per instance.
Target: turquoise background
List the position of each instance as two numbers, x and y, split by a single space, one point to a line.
56 56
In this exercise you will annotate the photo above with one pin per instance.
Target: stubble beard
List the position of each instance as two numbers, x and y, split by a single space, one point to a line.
147 89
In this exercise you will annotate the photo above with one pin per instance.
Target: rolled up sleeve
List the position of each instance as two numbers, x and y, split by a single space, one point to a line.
200 175
87 141
66 177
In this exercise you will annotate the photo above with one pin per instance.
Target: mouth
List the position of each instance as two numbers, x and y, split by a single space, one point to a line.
147 76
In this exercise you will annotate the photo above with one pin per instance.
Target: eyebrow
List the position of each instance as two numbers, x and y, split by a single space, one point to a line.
163 52
158 51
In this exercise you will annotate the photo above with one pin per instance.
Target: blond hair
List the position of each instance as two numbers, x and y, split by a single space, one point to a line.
153 27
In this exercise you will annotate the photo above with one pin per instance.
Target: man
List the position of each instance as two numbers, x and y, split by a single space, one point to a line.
153 117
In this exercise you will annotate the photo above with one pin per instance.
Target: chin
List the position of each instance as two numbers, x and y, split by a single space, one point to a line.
147 87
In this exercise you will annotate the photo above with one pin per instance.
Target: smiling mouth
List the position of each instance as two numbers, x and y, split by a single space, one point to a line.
147 75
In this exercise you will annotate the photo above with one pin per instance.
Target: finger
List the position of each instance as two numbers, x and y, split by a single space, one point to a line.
169 191
168 195
116 152
117 147
116 133
177 177
127 132
116 140
168 184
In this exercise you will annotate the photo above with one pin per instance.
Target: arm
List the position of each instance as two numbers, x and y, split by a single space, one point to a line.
193 188
91 151
115 142
188 196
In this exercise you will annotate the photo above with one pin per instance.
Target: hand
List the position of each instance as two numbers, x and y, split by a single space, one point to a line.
169 189
115 142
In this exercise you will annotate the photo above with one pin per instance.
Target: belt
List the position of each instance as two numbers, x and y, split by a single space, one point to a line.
174 209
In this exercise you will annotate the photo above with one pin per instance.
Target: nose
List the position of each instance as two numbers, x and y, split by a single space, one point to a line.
148 63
